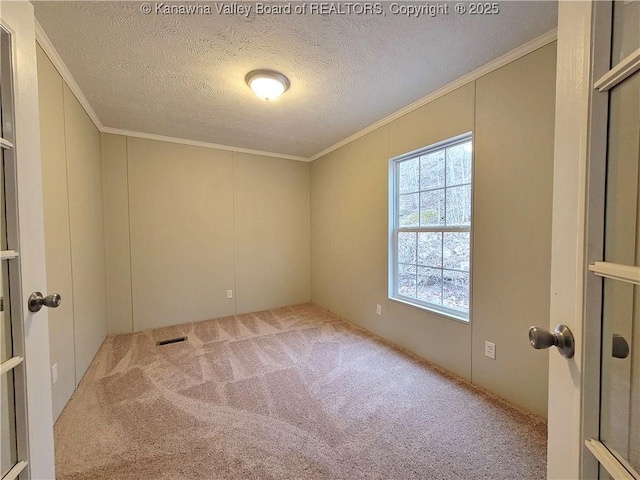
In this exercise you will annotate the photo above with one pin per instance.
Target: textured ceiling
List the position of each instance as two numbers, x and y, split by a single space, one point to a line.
183 75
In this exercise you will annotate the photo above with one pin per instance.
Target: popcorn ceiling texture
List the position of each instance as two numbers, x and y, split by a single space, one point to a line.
183 75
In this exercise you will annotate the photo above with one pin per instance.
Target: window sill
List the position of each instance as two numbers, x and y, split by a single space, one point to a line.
449 316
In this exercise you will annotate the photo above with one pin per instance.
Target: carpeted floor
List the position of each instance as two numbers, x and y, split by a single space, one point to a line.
289 393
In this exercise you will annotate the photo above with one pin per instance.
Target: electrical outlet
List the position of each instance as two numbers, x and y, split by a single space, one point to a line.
490 350
54 373
379 309
229 293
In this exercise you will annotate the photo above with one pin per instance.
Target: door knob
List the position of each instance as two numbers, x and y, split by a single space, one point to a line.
561 338
37 301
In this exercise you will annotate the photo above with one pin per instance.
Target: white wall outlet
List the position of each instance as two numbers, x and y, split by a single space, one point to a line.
229 293
379 309
490 350
54 373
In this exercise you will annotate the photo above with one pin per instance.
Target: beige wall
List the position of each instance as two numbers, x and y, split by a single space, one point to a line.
322 231
511 114
360 222
185 224
72 187
513 194
180 201
84 176
272 238
117 239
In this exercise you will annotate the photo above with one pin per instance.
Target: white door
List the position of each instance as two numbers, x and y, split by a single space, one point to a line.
593 410
26 423
617 443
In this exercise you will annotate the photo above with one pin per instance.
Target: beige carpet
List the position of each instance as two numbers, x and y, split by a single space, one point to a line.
289 393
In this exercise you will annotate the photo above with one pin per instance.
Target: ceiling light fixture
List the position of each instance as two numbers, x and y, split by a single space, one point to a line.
267 84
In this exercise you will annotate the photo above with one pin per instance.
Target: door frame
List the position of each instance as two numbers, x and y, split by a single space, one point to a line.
18 17
584 42
568 260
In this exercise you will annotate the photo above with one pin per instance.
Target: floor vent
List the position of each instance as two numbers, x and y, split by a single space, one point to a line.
171 340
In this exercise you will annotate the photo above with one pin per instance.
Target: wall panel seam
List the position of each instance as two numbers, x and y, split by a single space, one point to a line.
235 233
104 231
334 233
310 235
126 159
73 296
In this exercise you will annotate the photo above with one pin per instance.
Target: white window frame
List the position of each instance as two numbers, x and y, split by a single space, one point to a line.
394 229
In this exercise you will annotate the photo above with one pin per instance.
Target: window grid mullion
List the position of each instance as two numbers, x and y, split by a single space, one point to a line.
416 264
434 229
419 212
396 170
446 156
394 266
435 189
455 270
442 266
396 225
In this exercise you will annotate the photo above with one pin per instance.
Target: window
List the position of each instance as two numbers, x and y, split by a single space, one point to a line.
430 218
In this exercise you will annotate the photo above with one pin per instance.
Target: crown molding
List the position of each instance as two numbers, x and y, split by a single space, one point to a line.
55 58
508 57
196 143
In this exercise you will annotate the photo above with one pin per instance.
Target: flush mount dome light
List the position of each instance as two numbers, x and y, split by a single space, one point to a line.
267 84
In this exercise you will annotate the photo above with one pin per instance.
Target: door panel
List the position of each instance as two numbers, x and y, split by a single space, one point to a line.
626 33
621 228
8 445
620 363
24 253
8 442
619 427
12 371
634 399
